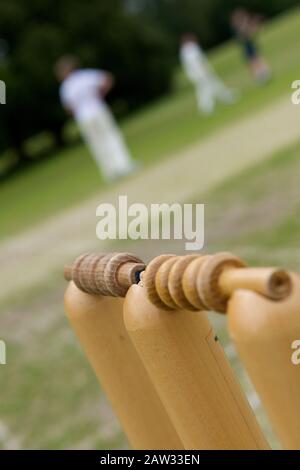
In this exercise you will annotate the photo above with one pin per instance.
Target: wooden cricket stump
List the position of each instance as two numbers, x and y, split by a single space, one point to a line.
263 332
263 309
183 356
177 378
94 306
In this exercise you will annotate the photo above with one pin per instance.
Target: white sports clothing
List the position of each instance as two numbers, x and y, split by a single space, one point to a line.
80 93
107 144
209 88
194 61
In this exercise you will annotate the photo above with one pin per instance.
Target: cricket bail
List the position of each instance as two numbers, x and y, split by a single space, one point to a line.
197 282
105 274
192 282
188 282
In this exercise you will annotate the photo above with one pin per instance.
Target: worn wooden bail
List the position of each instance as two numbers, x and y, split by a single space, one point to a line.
149 280
189 282
207 280
175 282
162 282
105 274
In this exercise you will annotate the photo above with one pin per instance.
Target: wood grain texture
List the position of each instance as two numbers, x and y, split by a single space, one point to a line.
175 282
108 274
263 332
162 282
189 282
98 324
149 280
192 375
208 276
273 283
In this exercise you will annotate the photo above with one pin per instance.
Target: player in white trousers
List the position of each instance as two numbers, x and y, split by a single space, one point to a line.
82 93
209 87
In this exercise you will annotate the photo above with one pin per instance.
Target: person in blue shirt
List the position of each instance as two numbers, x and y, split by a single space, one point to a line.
245 27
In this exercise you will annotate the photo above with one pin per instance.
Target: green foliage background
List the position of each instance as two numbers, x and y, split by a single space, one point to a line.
135 39
102 33
207 18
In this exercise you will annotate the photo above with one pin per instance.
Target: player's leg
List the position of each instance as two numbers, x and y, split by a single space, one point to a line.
93 132
205 96
221 91
260 69
258 66
121 160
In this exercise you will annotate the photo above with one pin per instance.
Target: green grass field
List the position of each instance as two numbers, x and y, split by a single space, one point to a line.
54 385
49 396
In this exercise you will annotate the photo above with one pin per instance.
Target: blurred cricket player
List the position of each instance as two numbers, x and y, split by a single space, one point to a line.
245 27
209 87
82 93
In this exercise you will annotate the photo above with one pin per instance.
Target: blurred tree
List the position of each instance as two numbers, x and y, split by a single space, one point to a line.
206 18
101 32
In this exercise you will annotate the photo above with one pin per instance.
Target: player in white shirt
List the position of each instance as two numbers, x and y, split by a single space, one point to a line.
209 87
82 93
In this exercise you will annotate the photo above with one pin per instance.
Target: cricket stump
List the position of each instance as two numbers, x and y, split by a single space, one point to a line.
94 307
183 356
263 310
263 332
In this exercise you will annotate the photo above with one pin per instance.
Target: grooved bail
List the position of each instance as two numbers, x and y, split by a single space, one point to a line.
208 276
175 282
189 282
105 274
149 280
196 282
192 282
163 280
